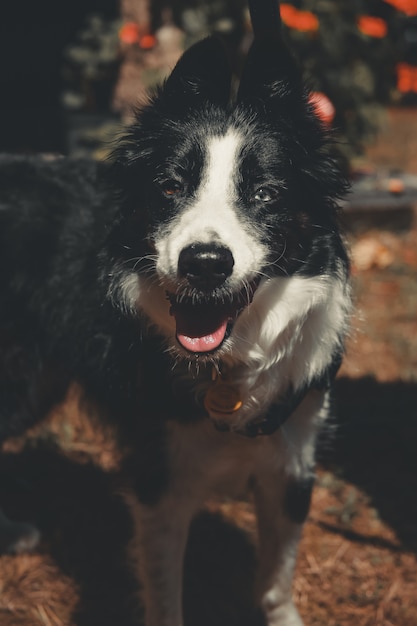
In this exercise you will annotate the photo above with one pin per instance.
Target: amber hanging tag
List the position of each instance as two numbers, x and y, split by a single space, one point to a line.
222 398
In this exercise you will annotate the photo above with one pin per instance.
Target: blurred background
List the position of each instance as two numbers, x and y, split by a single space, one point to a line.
67 65
72 74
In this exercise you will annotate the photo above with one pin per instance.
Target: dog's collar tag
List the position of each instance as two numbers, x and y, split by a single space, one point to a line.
222 399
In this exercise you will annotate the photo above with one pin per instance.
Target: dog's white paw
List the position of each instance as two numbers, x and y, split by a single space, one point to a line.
284 615
17 537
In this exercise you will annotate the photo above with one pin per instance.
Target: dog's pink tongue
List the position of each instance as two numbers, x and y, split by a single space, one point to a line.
205 343
199 335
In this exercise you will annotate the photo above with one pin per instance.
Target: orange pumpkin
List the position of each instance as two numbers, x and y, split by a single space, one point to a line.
304 21
373 26
129 33
409 7
147 42
406 78
322 107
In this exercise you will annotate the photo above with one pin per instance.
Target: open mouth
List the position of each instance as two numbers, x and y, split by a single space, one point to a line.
203 326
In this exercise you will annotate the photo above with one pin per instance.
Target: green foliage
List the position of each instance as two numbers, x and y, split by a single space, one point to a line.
354 70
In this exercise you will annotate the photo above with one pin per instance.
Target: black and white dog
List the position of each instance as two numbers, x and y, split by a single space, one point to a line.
198 290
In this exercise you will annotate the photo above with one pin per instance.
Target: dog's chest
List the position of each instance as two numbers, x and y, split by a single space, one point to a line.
212 462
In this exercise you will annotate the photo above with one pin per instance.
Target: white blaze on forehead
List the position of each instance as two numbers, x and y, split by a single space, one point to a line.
213 216
218 181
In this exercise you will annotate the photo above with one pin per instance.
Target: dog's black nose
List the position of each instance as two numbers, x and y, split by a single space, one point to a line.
205 266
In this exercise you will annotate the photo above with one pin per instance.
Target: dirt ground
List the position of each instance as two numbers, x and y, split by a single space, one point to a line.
357 560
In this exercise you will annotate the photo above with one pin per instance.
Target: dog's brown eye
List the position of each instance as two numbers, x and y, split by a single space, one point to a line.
172 188
264 194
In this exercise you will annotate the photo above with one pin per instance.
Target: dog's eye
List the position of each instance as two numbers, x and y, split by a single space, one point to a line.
265 194
172 188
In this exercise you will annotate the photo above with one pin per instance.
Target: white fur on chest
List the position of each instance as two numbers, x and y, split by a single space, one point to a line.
286 338
283 340
209 462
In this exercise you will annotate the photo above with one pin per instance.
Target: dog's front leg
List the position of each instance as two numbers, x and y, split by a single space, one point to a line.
282 493
162 531
281 506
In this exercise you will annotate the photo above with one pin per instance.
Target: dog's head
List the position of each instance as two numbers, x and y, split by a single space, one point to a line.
221 196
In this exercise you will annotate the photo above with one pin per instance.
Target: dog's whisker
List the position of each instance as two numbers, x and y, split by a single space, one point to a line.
138 259
322 227
302 261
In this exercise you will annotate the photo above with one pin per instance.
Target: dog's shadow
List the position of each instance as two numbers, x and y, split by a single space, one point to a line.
374 447
86 526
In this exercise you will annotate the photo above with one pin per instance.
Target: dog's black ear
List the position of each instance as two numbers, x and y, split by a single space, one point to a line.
270 72
201 75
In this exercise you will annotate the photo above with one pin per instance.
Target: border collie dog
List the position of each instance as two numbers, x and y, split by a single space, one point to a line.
198 290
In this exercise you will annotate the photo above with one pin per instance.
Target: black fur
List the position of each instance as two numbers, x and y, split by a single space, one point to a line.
297 499
55 323
78 241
